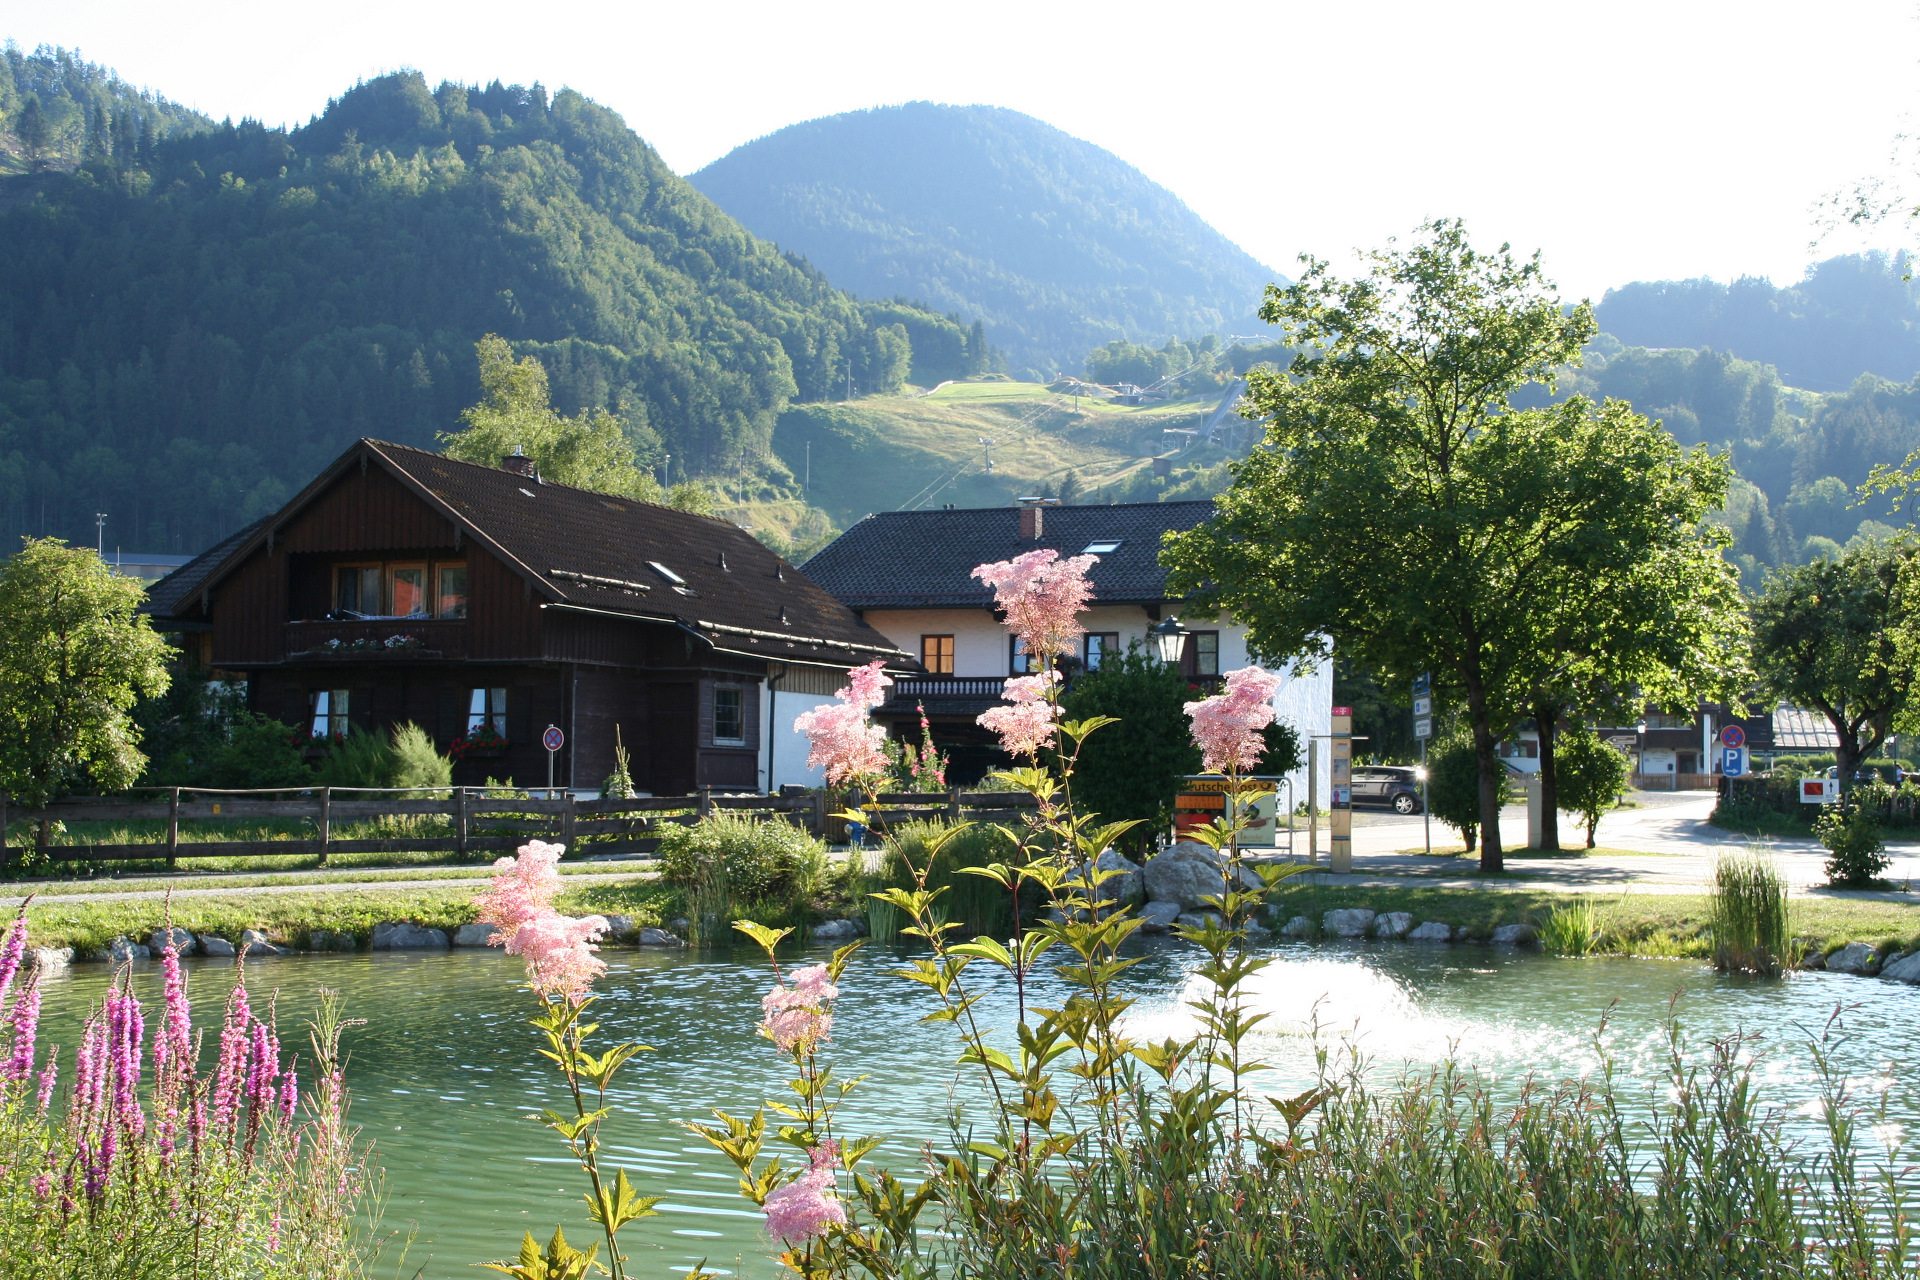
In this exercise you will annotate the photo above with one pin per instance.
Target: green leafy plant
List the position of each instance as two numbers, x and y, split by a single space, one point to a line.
1453 787
1592 775
1850 832
1572 929
948 860
726 861
1750 925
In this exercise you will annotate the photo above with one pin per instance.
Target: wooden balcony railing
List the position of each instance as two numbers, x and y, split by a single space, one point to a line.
379 639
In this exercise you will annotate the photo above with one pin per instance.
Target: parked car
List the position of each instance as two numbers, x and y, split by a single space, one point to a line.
1395 787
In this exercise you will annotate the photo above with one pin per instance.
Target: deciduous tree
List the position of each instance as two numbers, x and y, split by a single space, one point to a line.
1402 511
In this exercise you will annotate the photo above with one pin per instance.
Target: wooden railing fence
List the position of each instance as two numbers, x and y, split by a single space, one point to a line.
482 819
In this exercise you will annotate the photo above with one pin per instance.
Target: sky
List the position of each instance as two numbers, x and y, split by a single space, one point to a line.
1636 140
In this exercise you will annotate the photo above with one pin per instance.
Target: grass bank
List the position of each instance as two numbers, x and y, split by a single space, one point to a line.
255 876
1630 923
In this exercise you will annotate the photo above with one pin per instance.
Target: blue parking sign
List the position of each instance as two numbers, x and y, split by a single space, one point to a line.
1733 761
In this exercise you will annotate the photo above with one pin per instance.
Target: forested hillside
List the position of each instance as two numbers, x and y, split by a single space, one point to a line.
1058 245
56 110
190 328
1850 315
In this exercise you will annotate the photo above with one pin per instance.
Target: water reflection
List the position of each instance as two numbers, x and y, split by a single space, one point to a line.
444 1076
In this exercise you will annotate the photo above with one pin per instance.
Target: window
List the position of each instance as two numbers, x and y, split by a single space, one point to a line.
729 715
1101 548
1019 661
1099 645
488 708
667 573
329 713
1203 653
936 654
407 591
356 589
1520 749
450 601
1669 722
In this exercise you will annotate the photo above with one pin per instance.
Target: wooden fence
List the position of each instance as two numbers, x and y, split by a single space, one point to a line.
483 819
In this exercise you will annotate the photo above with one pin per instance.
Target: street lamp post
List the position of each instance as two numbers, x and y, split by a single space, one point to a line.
1169 639
1640 747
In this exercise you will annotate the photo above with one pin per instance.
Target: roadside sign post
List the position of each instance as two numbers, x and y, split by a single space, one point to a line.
552 740
1423 730
1340 802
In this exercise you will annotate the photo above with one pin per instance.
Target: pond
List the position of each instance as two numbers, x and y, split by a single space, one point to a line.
443 1073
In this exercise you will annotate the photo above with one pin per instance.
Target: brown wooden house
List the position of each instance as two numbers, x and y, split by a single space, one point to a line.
481 602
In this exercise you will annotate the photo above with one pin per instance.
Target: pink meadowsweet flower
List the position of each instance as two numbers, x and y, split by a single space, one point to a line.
559 951
1028 724
1226 727
524 888
796 1019
840 738
1042 596
804 1208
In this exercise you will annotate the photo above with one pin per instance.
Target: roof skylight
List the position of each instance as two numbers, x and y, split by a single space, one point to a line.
666 573
1101 548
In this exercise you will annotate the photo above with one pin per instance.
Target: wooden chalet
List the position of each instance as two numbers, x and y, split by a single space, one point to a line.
484 605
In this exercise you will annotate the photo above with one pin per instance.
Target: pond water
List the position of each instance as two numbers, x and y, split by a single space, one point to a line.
444 1072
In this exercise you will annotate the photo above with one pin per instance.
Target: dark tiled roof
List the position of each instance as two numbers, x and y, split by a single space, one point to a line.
595 551
171 597
923 559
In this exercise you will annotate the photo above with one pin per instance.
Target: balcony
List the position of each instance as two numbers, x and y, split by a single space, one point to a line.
380 640
942 695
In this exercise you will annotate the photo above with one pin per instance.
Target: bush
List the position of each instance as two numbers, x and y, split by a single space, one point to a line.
1453 784
200 734
975 903
1749 922
731 867
406 759
1850 831
415 762
1591 775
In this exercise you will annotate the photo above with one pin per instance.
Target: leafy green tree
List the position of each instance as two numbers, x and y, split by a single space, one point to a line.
1403 513
1838 636
1453 787
1132 769
75 656
1592 776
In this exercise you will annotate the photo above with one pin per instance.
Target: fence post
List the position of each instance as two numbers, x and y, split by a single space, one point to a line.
953 806
326 821
566 821
460 822
705 807
820 815
173 828
41 839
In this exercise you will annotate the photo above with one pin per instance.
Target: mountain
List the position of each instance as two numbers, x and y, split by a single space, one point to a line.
1058 245
1854 314
191 327
57 109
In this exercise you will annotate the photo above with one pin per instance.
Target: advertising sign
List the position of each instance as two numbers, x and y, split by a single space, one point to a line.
1819 790
1202 799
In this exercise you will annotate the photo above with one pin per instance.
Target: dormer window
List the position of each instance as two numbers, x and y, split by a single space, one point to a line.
666 573
1102 548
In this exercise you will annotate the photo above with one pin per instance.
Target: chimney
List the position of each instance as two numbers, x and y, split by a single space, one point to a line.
519 463
1033 517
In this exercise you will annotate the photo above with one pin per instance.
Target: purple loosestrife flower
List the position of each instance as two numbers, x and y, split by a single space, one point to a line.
127 1030
290 1098
12 952
25 1021
173 1047
48 1077
229 1071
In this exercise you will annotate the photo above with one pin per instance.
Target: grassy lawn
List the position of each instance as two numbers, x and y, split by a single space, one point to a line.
186 879
1634 924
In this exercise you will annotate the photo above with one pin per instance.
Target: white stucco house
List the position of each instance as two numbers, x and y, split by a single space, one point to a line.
908 574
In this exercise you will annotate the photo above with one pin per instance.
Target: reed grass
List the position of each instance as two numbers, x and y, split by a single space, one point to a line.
975 903
1750 923
1572 929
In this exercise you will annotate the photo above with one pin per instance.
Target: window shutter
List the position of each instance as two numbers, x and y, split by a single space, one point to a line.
520 716
360 709
706 713
750 714
453 714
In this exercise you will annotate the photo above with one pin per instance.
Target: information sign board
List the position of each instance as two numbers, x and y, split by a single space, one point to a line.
1422 706
1819 790
1422 729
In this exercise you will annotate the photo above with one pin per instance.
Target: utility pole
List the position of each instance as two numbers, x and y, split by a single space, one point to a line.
100 534
806 485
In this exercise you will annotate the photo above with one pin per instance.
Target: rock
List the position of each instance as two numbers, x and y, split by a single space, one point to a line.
619 928
1515 935
1462 934
1298 927
212 946
680 925
1392 924
473 935
1905 969
255 945
1198 920
122 950
1121 888
183 942
651 937
1257 928
1347 922
1158 917
1431 931
1814 961
1187 874
327 940
44 960
403 935
1855 957
833 930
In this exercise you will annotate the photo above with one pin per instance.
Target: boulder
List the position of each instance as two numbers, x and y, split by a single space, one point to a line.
1462 934
255 944
1516 935
46 960
680 925
836 930
403 935
1298 927
122 950
1347 922
1905 969
1431 931
1188 874
212 946
183 942
1120 888
619 928
1158 917
327 940
651 937
1257 928
1855 957
1392 924
1198 920
1814 960
473 935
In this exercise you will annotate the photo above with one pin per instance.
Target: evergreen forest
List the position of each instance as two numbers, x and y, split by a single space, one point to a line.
194 322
